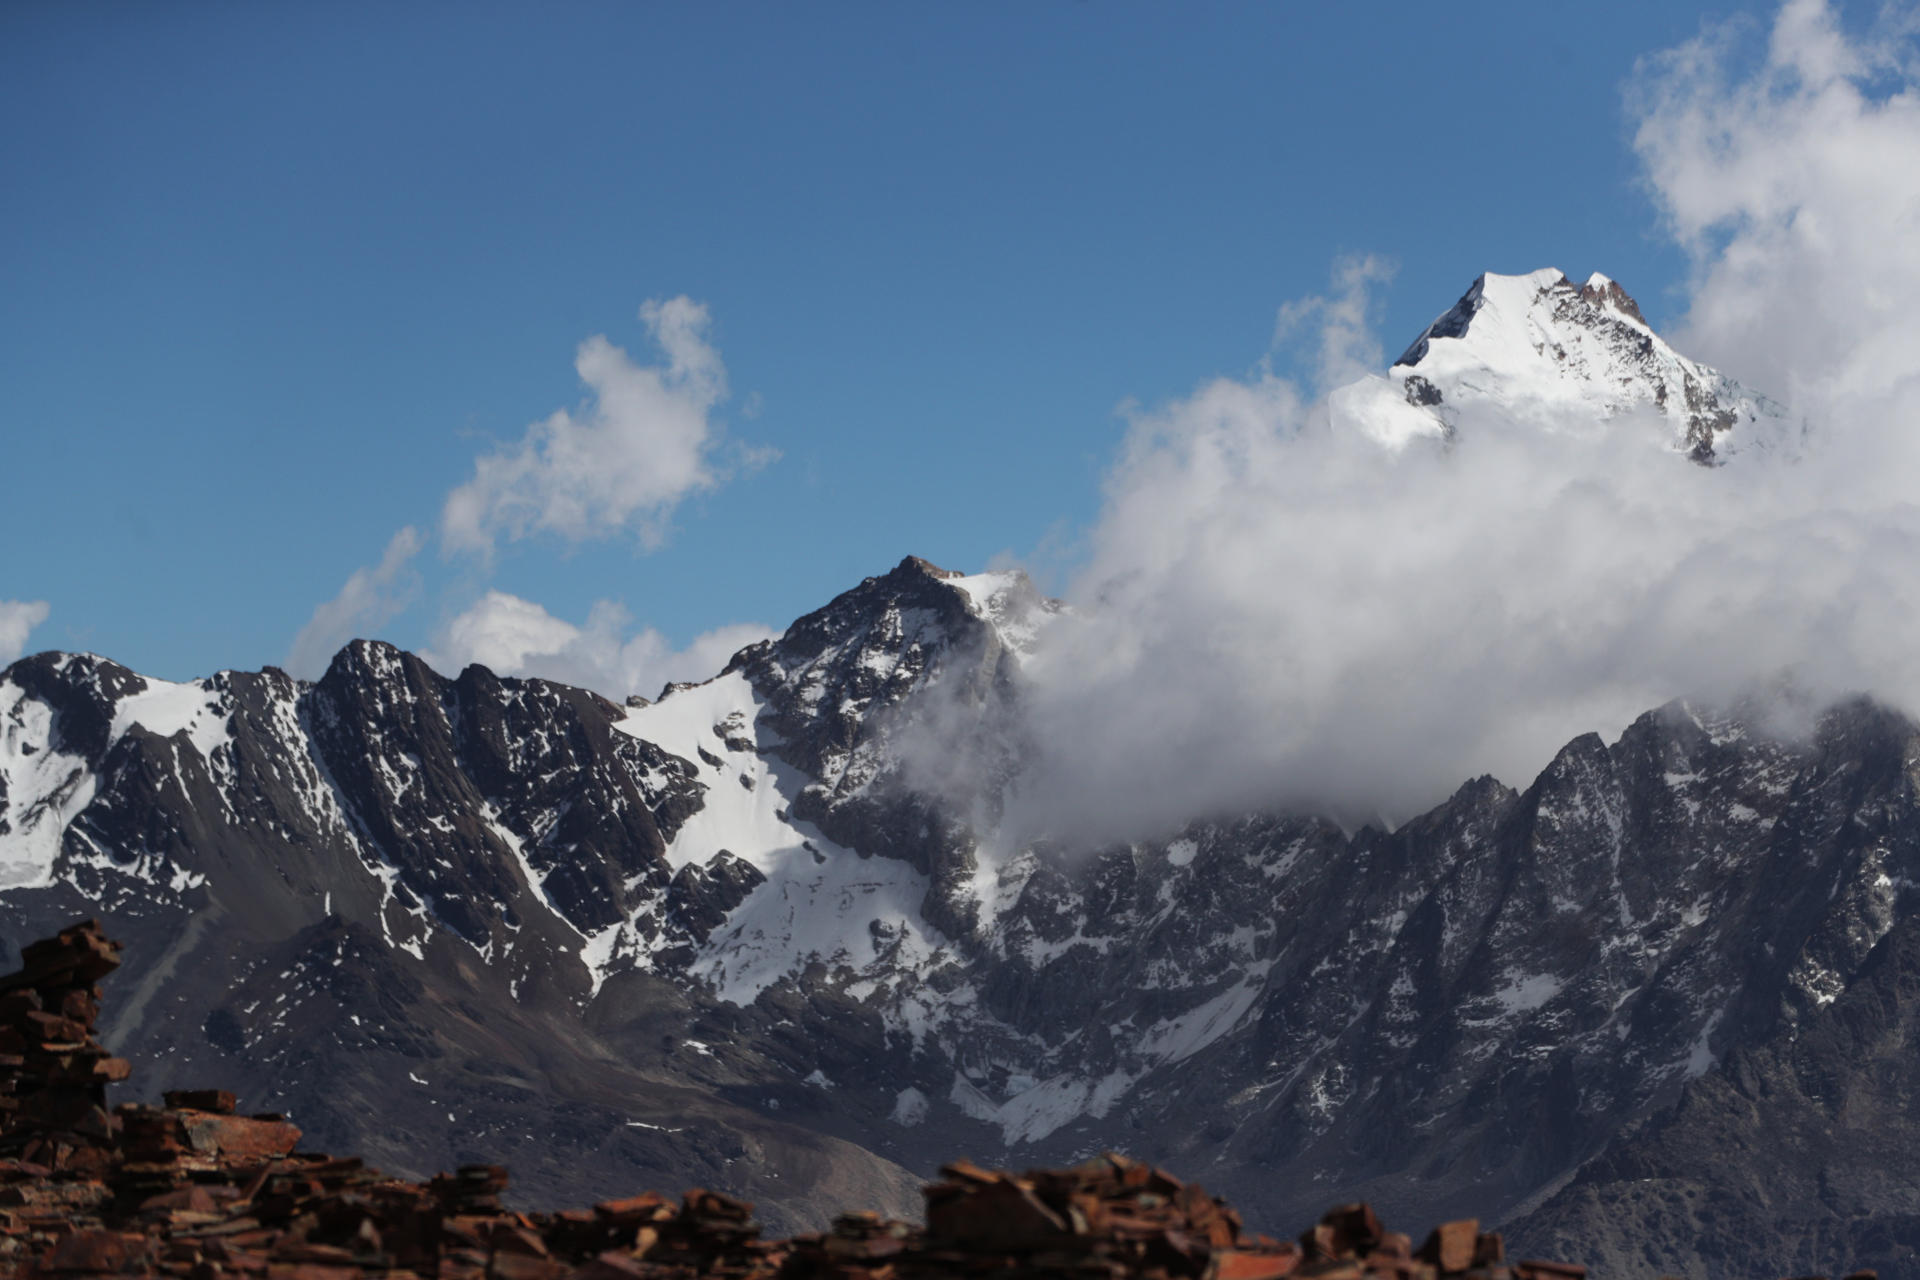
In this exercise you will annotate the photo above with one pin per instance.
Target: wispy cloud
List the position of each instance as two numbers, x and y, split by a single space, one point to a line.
18 618
512 636
372 597
1795 185
623 461
644 440
1345 346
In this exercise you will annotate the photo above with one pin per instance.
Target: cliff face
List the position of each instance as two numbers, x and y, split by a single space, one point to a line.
1795 1152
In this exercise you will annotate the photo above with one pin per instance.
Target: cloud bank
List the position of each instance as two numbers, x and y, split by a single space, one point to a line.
512 636
1796 189
373 596
644 440
18 618
1275 611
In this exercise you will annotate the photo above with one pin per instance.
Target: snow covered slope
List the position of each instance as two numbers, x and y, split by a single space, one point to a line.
1541 351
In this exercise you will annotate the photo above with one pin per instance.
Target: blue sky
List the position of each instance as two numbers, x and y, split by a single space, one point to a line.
273 278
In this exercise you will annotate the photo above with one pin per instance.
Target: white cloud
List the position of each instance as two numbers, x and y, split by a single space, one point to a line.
643 441
512 636
1346 346
18 618
372 597
1275 611
1796 187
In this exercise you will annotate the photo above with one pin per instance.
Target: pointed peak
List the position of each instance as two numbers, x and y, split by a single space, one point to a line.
1602 291
1517 310
1566 356
376 658
914 564
1487 288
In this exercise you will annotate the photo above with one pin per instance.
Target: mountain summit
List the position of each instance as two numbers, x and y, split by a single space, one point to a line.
1541 351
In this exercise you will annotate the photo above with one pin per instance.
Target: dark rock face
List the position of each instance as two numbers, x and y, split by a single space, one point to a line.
700 898
1453 323
480 773
1795 1152
1422 392
516 930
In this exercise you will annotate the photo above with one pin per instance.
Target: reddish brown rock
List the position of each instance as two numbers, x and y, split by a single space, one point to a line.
237 1139
1538 1270
1452 1245
218 1101
1234 1265
101 1252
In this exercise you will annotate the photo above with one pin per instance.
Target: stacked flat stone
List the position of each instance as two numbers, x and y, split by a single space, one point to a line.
55 1073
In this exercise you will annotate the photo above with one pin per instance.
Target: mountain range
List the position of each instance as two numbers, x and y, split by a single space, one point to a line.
1655 1010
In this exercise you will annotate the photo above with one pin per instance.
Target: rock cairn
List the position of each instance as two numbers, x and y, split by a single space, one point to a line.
53 1073
194 1190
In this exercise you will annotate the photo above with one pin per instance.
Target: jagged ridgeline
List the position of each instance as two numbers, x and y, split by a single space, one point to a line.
730 937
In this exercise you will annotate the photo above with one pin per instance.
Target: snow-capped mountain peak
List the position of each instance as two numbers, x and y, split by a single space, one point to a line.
1540 351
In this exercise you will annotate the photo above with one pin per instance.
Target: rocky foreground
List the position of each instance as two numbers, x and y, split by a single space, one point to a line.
194 1189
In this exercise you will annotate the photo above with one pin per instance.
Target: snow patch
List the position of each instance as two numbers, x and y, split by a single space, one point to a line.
748 822
1008 602
910 1107
41 791
830 912
1035 1112
1524 994
1176 1039
165 709
820 901
1700 1056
